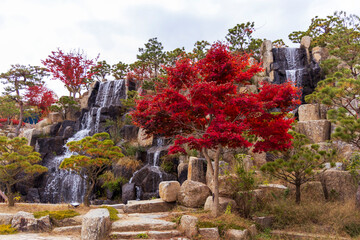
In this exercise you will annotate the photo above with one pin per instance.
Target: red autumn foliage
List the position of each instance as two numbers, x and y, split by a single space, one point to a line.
72 68
41 97
14 121
201 106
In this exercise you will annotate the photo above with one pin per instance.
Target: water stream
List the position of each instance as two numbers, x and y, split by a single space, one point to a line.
66 186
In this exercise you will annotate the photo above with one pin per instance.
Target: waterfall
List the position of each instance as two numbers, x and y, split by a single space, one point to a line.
67 186
294 69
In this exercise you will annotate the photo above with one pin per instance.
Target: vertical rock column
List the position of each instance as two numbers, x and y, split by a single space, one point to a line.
267 58
313 123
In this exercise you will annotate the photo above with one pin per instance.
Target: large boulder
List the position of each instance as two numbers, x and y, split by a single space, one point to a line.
96 224
33 195
55 117
225 189
339 184
316 130
43 123
312 190
129 132
193 194
209 233
128 192
188 225
223 203
319 54
233 234
308 112
26 222
5 218
197 169
169 190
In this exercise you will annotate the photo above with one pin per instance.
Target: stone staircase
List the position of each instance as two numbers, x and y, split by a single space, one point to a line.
149 225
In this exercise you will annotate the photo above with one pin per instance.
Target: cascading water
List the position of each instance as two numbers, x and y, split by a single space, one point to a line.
66 186
292 64
147 178
295 69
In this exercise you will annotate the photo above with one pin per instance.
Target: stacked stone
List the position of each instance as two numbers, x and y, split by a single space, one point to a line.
313 122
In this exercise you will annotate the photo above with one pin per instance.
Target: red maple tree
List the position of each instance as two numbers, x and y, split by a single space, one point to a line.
41 97
72 68
202 109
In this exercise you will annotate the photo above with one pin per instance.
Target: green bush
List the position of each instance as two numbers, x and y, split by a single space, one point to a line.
58 215
113 213
221 225
142 236
7 229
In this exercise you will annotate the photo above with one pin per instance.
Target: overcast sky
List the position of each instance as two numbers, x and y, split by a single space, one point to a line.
115 29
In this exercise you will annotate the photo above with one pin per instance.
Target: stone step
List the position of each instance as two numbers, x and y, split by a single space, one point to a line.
148 206
150 234
68 229
142 224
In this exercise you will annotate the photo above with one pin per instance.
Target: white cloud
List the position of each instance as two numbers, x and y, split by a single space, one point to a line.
30 30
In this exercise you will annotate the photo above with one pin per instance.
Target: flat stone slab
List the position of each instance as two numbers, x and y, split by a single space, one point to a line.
116 206
142 224
68 229
149 215
307 236
148 206
34 236
151 234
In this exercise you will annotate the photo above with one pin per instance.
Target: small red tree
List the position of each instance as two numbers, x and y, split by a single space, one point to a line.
201 108
73 69
41 97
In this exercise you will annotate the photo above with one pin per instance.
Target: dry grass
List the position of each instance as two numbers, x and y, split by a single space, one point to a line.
31 207
335 218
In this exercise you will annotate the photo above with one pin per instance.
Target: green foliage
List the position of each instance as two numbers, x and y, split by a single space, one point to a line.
321 29
8 108
299 164
7 229
111 182
243 184
167 166
17 163
119 70
240 39
176 219
113 213
353 229
101 70
340 91
152 54
130 102
279 43
65 105
94 154
114 128
221 225
58 215
142 236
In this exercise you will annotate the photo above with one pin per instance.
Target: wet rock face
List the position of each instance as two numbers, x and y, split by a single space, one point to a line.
292 63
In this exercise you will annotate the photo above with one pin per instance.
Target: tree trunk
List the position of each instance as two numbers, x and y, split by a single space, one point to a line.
10 196
89 188
17 131
215 207
298 193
